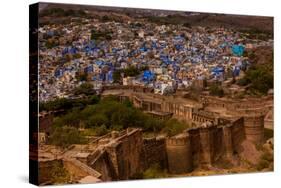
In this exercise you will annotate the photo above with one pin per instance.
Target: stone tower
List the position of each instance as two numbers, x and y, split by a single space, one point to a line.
207 152
227 140
254 128
179 154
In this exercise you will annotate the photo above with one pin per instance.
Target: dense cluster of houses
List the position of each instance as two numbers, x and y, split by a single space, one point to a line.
168 56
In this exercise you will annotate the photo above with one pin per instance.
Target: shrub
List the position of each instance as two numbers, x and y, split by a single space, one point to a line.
59 175
85 88
216 90
267 157
66 136
174 127
154 171
262 165
97 120
101 130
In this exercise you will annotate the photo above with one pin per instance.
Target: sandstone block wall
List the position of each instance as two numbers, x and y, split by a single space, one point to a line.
202 146
179 154
227 142
207 147
44 170
240 107
237 133
233 136
218 143
104 166
154 152
195 146
79 170
254 128
127 151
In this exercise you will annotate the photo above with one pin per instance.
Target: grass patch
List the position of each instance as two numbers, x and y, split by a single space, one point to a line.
154 171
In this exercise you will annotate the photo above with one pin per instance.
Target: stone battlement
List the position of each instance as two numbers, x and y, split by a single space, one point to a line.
120 155
178 140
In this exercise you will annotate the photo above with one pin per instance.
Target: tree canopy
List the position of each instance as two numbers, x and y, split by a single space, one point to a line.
66 136
67 104
85 88
110 114
259 77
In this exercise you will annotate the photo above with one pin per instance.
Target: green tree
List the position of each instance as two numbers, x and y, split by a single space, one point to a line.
85 88
260 78
101 130
131 71
216 90
66 136
81 76
116 76
56 104
97 119
174 127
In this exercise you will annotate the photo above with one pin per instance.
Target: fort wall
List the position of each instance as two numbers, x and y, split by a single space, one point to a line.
102 163
207 149
125 153
121 155
218 143
179 154
44 173
128 87
237 133
78 170
195 143
204 145
154 152
239 107
254 128
227 142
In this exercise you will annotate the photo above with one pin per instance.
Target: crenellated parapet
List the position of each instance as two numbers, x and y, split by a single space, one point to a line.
179 154
203 145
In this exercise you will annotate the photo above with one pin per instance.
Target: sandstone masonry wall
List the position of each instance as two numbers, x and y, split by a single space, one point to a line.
254 128
154 152
179 154
202 146
127 152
